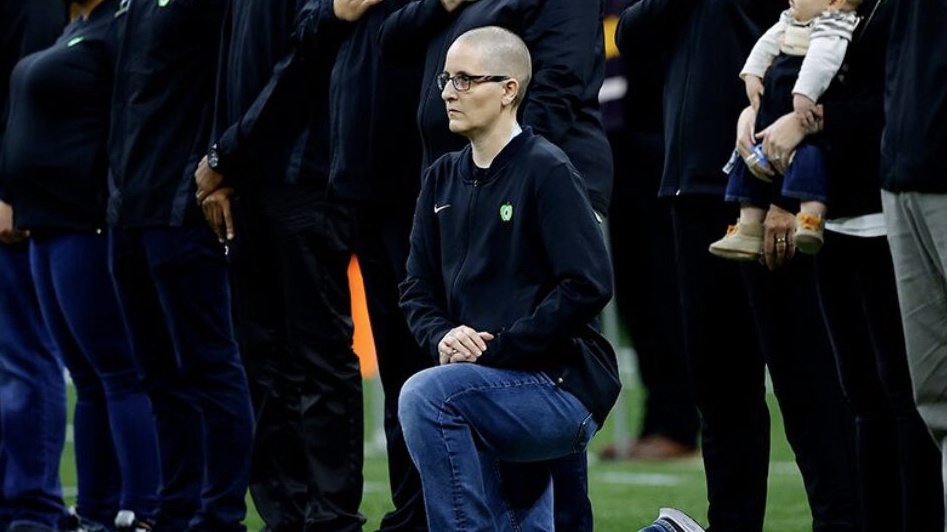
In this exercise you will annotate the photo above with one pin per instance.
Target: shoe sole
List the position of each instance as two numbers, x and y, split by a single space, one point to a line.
733 254
682 520
808 244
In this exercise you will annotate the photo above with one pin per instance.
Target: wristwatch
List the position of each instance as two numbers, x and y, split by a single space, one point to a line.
213 158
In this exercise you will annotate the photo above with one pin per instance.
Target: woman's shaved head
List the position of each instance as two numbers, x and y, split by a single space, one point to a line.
502 52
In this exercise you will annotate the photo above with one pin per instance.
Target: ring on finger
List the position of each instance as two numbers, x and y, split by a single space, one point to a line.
780 240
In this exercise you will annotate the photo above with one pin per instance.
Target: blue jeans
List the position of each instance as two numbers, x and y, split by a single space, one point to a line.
475 433
32 401
806 179
115 443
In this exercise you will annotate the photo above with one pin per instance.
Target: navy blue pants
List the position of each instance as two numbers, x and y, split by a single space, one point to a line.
116 449
32 401
899 479
739 319
175 295
806 179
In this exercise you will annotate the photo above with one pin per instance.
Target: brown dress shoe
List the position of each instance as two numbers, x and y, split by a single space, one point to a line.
658 447
616 452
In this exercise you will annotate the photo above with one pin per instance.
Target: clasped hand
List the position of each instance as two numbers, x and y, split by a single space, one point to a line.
462 344
779 140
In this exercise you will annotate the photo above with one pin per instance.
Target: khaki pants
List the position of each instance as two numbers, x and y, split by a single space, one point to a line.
917 232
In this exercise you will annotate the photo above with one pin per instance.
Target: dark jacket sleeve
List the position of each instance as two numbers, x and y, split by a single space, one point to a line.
406 33
26 26
579 262
422 292
648 23
43 22
275 115
559 42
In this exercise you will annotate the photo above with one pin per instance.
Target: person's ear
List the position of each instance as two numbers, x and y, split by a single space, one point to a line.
511 91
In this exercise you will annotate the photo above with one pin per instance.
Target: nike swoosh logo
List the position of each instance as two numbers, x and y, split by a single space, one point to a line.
441 208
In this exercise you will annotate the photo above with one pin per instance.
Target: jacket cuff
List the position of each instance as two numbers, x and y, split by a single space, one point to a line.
228 154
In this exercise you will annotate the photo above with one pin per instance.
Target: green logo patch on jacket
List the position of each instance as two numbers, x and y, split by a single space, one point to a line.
506 212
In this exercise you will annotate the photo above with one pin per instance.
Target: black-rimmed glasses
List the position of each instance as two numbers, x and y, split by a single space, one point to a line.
462 82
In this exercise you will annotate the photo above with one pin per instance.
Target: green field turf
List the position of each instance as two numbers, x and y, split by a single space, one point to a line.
625 495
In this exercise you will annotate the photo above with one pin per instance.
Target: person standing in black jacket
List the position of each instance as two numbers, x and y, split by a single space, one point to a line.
54 165
897 463
376 167
566 39
32 388
642 249
373 177
914 197
507 271
169 269
290 251
760 329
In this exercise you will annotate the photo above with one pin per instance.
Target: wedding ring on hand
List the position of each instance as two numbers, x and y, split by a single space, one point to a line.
780 240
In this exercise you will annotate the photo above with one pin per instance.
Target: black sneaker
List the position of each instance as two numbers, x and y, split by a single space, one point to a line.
77 523
126 521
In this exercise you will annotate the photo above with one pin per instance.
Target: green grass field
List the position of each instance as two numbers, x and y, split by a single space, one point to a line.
625 495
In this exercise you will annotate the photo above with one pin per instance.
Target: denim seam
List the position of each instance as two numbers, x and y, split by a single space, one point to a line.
455 485
543 380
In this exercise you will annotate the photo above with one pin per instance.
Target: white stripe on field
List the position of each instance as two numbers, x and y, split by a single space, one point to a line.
642 479
370 487
668 479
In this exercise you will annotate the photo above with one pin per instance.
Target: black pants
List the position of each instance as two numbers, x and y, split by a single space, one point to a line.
898 465
293 314
382 250
738 319
646 292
